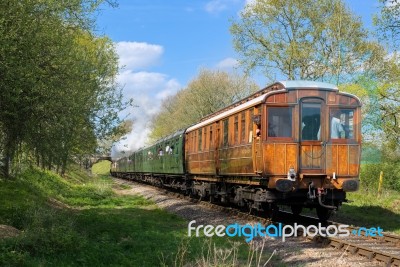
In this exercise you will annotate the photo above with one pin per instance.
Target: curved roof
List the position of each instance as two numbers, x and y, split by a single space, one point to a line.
255 101
163 139
299 84
260 96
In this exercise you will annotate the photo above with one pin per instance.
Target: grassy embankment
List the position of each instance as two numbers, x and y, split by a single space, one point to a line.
79 220
367 208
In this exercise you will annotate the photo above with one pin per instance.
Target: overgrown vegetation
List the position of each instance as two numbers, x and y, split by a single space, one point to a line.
370 174
368 208
58 93
101 168
79 221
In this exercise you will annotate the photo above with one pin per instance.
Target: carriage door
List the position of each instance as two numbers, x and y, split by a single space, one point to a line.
312 147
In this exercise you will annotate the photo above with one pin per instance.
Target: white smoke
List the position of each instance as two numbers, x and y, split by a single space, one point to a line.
147 89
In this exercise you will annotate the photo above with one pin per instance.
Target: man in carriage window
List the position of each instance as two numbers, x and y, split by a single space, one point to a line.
336 126
168 150
258 131
311 127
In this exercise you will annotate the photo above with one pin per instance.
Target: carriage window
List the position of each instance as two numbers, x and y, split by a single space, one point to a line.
342 124
191 148
200 139
194 141
226 126
211 138
205 145
236 129
280 122
311 121
160 152
243 127
250 129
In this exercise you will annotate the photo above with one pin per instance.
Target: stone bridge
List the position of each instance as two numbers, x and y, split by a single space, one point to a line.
93 159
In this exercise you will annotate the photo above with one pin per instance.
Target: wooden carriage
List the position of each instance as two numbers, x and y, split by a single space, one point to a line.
294 142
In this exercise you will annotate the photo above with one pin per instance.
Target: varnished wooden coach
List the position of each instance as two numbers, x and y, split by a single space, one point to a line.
295 143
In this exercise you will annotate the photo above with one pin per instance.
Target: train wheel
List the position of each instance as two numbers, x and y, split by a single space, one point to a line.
323 213
296 209
272 211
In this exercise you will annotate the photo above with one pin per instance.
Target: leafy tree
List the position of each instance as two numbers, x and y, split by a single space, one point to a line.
105 144
207 93
366 89
304 39
388 29
388 22
389 98
57 89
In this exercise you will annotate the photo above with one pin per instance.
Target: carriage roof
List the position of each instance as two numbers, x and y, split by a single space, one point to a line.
308 84
260 96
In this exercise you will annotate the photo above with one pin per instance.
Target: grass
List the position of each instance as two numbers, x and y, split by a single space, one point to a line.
79 221
101 168
367 208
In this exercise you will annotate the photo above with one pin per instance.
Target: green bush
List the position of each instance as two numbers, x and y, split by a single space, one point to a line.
370 174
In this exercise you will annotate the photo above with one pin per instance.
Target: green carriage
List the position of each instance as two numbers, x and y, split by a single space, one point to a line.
165 156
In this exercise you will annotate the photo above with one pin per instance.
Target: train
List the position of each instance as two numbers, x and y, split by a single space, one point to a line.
293 143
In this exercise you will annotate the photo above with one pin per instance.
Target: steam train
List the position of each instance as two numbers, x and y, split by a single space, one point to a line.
294 143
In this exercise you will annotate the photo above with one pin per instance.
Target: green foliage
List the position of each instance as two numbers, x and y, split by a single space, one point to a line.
388 164
366 89
389 97
57 92
388 30
388 22
101 168
207 93
105 144
314 40
78 220
367 208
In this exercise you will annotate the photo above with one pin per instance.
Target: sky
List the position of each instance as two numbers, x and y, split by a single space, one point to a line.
162 45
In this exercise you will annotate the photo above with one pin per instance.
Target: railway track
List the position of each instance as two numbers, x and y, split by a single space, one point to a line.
385 248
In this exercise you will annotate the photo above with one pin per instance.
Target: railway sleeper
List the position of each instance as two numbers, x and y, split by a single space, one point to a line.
384 258
366 253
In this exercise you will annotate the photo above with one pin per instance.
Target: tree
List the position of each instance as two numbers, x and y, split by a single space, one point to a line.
389 98
388 30
57 89
207 93
388 22
366 90
304 39
105 144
